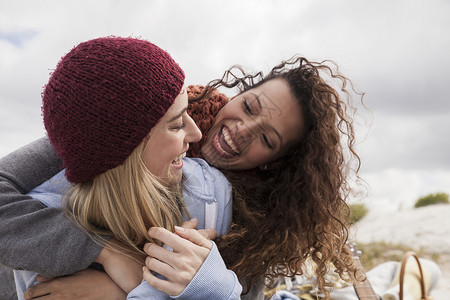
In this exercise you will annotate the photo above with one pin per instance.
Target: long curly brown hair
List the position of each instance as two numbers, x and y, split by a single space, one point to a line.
295 208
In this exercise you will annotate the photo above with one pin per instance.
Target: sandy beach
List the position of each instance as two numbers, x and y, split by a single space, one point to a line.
427 227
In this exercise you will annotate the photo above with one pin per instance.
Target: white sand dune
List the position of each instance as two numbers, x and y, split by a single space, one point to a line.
427 227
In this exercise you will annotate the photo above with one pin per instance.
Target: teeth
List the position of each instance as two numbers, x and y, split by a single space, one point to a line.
179 158
220 148
229 141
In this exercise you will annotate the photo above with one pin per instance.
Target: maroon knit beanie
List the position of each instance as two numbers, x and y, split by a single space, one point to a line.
103 99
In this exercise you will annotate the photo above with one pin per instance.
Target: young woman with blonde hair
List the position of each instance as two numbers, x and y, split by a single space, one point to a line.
115 111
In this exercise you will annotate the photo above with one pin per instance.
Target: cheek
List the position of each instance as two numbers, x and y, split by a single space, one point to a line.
151 162
230 111
156 157
257 156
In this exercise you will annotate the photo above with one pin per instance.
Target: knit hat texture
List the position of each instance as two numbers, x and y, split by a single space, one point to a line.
103 99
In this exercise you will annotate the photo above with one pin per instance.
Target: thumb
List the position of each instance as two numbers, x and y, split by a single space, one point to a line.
191 224
41 278
194 236
209 233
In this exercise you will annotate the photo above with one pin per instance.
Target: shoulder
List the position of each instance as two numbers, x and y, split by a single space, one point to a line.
51 192
197 172
199 176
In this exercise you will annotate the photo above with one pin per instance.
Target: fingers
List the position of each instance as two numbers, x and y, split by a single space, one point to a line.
158 266
87 284
209 233
170 239
163 285
36 291
191 224
190 249
157 252
194 236
178 241
41 278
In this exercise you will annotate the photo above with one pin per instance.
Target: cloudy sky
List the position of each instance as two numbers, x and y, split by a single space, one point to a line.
396 51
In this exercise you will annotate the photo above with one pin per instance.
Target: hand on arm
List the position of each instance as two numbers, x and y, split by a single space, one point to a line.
124 267
20 172
87 284
190 249
92 284
124 273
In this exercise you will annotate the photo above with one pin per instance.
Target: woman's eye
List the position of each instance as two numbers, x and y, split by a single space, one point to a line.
180 126
247 107
266 141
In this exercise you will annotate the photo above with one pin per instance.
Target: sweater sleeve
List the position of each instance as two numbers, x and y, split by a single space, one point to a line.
33 236
212 281
144 291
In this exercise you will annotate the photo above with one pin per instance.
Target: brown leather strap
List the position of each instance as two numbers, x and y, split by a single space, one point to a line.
402 275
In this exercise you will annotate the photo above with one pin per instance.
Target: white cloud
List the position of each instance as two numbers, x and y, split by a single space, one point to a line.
407 142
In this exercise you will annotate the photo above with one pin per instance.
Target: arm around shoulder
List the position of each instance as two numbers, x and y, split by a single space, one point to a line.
25 222
212 281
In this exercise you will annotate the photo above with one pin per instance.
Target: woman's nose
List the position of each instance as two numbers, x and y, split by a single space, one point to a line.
193 133
248 129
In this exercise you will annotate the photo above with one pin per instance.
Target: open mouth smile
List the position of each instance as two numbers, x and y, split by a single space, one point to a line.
224 144
178 161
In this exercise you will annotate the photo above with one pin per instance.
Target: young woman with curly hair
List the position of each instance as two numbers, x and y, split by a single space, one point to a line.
289 205
286 143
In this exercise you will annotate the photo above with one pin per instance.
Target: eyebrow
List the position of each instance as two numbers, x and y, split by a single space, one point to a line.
178 115
259 101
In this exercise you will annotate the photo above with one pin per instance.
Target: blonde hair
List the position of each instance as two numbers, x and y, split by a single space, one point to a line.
124 202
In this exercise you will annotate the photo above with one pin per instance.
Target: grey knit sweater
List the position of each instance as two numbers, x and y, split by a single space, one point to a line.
32 236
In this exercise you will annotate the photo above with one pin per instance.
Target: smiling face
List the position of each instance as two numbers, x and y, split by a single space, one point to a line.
169 140
255 127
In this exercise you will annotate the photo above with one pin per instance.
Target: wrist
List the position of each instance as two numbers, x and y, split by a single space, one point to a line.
103 256
106 253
